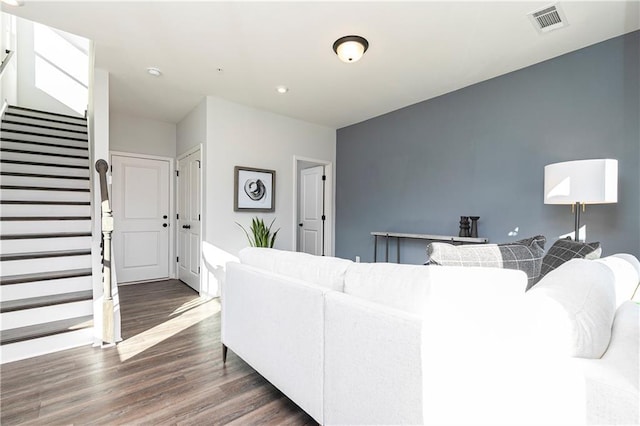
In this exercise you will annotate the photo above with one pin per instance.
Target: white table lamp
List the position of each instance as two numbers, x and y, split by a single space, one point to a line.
581 182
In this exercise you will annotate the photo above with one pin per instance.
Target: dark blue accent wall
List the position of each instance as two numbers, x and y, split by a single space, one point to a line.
482 150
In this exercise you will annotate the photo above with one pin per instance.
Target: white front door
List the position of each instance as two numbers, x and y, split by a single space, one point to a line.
311 214
140 191
189 220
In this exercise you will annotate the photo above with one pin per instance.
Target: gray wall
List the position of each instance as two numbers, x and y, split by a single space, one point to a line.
481 151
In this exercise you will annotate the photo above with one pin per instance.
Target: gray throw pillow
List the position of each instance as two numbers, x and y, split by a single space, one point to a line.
524 255
566 249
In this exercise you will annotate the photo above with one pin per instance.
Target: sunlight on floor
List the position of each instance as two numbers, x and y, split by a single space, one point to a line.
182 318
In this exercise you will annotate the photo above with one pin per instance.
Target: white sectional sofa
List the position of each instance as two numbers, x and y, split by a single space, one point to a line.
355 343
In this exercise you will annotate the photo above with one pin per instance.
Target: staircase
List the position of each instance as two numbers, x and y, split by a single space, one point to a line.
46 287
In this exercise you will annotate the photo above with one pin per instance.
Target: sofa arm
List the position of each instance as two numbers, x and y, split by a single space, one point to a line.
275 324
372 363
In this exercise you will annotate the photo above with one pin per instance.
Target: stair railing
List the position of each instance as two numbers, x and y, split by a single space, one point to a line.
108 328
5 60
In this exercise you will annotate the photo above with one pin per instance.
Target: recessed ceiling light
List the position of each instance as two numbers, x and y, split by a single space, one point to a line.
154 71
282 89
16 3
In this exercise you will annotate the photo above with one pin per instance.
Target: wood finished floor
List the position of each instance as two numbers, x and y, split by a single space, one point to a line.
167 370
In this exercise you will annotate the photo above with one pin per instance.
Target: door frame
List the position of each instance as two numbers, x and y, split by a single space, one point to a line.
190 151
329 205
172 208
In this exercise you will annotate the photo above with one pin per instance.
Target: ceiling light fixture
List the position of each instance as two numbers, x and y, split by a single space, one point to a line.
350 48
154 71
282 89
15 3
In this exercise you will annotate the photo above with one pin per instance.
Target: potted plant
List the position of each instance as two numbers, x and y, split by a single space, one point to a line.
261 235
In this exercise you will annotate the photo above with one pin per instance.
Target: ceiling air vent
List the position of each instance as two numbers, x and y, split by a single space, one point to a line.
548 19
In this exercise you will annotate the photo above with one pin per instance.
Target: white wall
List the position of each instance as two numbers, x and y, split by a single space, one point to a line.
192 129
242 136
9 85
141 135
55 79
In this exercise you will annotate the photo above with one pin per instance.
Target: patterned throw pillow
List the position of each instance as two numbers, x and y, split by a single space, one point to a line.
566 249
524 255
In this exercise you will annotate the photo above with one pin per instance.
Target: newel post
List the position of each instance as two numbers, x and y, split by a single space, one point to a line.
108 328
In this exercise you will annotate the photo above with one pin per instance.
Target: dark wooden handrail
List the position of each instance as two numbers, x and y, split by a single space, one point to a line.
5 60
108 330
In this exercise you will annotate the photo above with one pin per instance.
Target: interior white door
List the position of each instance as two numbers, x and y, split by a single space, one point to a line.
189 220
311 211
140 192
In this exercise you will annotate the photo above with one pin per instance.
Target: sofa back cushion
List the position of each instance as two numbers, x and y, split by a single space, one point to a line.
572 309
324 271
524 255
626 271
403 287
410 287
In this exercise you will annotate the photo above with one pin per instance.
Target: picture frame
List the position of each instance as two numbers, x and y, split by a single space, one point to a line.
254 190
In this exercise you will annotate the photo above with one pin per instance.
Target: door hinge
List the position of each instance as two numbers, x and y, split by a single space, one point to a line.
177 173
178 216
324 217
111 168
198 217
198 269
198 163
324 177
177 259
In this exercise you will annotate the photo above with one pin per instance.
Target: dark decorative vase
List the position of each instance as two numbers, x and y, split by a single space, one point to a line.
464 226
474 226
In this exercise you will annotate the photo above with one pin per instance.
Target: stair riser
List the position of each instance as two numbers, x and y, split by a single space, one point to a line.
45 288
30 210
47 182
43 158
51 264
16 319
39 195
40 122
44 226
44 170
44 148
33 129
45 244
36 114
44 345
44 139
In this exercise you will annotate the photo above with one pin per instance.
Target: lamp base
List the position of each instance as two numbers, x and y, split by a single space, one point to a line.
576 235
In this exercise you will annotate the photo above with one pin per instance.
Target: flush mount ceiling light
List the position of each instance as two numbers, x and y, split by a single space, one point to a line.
350 48
154 71
282 89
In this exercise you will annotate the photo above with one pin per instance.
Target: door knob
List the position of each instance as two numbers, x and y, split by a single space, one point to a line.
164 217
299 224
164 225
186 226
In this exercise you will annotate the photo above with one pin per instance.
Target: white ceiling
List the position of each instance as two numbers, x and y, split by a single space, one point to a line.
418 50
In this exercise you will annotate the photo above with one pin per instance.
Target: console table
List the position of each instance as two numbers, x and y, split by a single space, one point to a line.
398 236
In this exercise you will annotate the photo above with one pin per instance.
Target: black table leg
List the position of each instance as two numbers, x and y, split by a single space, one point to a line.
386 255
375 248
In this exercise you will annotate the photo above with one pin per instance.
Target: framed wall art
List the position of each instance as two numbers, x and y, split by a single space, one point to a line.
254 190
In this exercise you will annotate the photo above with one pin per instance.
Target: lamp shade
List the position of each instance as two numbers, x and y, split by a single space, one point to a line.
582 181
